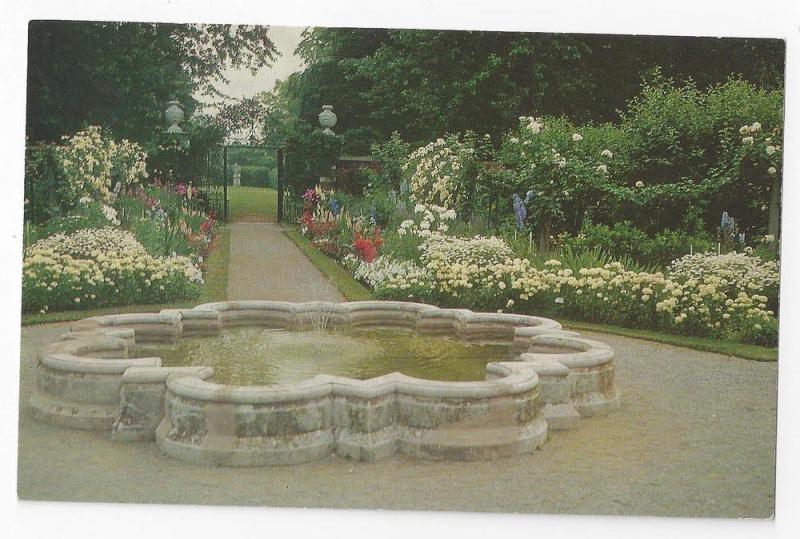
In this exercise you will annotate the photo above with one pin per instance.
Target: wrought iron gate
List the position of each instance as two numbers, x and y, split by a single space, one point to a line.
218 177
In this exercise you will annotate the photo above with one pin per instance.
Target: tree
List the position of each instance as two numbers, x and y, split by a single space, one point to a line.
120 75
425 83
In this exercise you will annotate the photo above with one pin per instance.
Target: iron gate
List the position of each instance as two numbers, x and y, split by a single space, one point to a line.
219 175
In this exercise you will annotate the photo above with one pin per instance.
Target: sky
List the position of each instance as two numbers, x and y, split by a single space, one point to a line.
243 83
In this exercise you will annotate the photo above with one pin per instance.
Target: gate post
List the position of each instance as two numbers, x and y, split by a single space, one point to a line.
280 185
225 183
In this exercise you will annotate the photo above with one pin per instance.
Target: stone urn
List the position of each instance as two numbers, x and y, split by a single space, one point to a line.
174 115
327 119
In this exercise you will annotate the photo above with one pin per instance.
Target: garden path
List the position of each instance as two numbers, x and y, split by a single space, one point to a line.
266 265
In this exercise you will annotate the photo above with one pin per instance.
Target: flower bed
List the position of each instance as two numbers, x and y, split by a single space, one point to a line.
728 296
102 267
607 294
734 272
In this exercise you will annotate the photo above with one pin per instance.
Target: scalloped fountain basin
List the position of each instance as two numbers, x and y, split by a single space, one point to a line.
470 385
261 356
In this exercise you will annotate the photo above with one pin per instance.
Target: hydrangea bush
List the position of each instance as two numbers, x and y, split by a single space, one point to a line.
100 267
734 272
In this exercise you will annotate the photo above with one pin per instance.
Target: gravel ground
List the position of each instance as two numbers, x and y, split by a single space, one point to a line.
695 437
265 264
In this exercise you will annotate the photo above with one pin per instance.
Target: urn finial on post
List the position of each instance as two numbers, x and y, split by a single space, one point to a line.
327 119
174 115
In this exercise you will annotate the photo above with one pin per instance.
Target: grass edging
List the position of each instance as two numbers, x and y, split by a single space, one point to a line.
701 344
215 288
351 289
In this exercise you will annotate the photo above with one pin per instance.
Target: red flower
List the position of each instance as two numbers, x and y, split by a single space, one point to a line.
365 248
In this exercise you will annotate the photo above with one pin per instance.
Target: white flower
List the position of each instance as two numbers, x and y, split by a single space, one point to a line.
510 304
770 149
640 183
534 125
755 127
772 171
747 140
602 168
514 140
577 137
559 300
607 153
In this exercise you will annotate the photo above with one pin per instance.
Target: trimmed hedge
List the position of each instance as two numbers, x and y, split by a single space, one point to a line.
256 176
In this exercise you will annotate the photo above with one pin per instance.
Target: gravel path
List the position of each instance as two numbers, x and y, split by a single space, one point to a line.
265 264
695 437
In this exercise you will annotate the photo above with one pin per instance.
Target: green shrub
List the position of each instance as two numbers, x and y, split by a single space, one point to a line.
391 155
88 216
623 240
310 153
257 176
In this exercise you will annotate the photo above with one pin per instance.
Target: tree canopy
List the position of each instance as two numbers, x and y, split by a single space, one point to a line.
425 83
119 75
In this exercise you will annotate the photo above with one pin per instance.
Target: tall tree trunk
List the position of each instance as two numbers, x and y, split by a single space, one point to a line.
544 235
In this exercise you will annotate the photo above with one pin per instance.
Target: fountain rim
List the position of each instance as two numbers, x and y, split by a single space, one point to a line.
110 334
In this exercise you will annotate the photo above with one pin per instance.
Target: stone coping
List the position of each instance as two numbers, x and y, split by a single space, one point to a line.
517 378
587 353
82 350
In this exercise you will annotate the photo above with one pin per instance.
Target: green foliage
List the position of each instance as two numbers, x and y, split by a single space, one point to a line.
257 176
88 216
623 240
425 83
689 152
310 153
43 172
149 233
391 155
678 151
185 159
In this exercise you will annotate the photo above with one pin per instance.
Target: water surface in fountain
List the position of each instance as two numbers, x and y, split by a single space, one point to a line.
258 356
